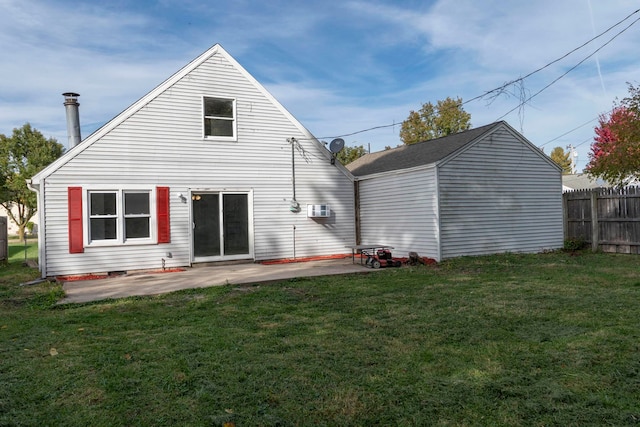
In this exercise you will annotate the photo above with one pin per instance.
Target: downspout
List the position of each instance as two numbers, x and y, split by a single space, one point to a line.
293 170
438 213
39 190
356 196
294 206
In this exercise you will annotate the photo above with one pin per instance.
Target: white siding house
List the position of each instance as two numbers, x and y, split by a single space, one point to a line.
206 167
482 191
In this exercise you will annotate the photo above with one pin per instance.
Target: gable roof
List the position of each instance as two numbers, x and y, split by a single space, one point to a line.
418 154
581 181
216 49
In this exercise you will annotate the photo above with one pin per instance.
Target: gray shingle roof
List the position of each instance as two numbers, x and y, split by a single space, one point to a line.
582 181
421 153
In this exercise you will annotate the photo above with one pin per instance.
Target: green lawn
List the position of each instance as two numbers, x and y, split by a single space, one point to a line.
532 340
18 248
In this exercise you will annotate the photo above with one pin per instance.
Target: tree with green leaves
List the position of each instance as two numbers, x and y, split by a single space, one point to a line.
615 151
350 154
434 121
562 159
23 155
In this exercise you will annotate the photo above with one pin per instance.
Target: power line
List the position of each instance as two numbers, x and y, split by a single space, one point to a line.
585 141
567 72
512 82
578 127
521 79
360 131
568 132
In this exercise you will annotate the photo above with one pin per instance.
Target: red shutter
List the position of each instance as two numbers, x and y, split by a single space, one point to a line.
162 208
76 244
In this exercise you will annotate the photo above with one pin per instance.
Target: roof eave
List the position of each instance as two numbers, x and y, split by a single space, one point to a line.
395 172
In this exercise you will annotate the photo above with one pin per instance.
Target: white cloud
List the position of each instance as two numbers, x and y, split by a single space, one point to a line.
339 67
489 43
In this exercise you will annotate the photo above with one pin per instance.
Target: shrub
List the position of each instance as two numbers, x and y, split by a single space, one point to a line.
571 245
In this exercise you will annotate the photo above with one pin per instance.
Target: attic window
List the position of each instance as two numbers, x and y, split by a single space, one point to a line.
219 118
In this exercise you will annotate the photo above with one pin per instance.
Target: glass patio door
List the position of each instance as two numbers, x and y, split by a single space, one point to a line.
220 226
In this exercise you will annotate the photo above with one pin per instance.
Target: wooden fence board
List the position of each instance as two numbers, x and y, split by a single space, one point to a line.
607 218
4 239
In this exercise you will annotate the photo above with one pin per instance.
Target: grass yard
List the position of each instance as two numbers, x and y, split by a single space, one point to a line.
532 340
17 250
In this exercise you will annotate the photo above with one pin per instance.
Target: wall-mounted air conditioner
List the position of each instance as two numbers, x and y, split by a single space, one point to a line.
318 211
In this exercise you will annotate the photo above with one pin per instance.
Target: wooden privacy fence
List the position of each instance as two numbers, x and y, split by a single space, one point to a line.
4 242
607 218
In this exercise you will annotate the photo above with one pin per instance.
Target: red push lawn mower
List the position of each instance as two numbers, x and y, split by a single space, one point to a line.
380 257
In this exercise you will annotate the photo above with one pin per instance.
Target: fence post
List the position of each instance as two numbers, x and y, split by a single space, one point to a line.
565 217
595 237
4 239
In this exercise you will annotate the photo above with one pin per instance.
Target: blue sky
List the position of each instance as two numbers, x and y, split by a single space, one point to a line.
338 66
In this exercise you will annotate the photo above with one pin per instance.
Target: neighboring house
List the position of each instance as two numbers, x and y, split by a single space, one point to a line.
206 167
581 181
482 191
12 228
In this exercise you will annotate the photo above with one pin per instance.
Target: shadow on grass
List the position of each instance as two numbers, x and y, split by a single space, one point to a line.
18 251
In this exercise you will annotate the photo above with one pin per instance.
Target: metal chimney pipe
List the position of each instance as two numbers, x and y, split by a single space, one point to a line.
73 118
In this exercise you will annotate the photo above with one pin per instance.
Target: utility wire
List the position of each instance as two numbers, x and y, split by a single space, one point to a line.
583 142
568 132
499 89
504 86
578 127
567 72
360 131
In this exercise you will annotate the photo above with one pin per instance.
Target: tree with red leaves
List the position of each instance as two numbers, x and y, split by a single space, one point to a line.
615 151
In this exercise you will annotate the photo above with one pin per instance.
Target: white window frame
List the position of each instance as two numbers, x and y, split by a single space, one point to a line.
89 216
126 216
120 239
233 119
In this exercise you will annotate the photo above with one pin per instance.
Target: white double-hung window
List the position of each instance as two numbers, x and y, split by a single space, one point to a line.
119 216
137 215
219 118
103 215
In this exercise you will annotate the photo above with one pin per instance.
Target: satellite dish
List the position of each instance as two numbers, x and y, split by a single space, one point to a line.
336 145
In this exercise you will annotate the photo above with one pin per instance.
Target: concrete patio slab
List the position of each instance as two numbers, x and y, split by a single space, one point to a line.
200 277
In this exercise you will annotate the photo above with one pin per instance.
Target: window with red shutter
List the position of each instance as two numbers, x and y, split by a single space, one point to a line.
116 217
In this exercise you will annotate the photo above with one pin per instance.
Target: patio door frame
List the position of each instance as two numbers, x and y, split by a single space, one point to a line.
221 193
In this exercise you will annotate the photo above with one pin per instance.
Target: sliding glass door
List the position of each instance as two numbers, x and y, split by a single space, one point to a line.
221 226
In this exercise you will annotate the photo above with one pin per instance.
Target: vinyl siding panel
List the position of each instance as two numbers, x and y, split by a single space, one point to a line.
400 210
499 196
162 144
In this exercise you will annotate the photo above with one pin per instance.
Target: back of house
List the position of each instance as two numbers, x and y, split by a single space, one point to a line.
206 167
